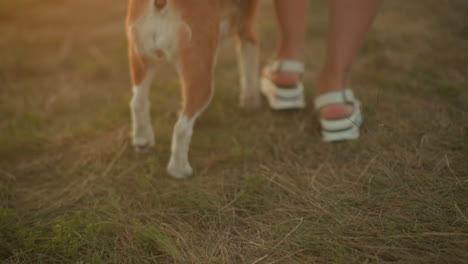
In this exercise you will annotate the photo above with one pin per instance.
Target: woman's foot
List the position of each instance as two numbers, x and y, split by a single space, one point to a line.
346 128
327 83
283 93
339 111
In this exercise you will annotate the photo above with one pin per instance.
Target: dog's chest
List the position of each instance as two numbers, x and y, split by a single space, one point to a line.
155 32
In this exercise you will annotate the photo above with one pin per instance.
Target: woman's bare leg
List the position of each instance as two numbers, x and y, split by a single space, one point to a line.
349 22
291 20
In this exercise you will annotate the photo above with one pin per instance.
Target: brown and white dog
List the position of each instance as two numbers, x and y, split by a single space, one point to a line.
187 33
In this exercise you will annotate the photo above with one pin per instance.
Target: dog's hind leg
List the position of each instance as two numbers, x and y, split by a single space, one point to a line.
247 53
142 75
196 59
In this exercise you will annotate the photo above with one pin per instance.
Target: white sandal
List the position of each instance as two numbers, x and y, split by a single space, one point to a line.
340 129
282 98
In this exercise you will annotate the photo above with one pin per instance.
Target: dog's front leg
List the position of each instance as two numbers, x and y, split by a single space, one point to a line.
196 59
142 76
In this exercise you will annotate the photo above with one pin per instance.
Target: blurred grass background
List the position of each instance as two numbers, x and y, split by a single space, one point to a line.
266 190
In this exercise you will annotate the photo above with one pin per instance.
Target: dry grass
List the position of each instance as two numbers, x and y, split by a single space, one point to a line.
266 189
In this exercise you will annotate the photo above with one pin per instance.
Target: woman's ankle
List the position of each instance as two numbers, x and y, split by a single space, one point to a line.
332 81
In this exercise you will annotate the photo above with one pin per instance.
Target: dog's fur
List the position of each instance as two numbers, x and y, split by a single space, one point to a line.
187 33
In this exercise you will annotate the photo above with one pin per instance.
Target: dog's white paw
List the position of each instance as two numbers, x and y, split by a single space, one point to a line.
179 169
143 141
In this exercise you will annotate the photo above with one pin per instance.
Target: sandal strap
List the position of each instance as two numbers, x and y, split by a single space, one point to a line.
355 120
286 93
287 66
338 97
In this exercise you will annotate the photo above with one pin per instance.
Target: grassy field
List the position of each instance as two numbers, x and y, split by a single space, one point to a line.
266 190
